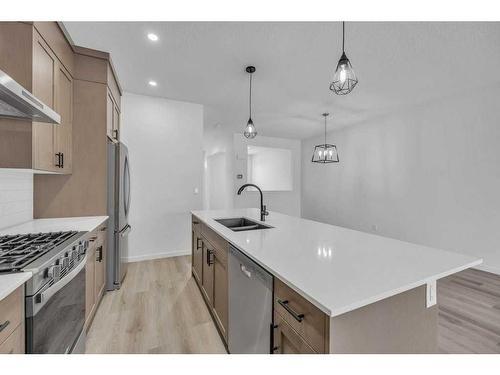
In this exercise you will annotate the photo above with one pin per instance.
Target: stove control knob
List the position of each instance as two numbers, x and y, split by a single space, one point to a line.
64 262
81 249
73 254
54 271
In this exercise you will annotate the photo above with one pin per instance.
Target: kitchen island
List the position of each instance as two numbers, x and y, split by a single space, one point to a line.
358 292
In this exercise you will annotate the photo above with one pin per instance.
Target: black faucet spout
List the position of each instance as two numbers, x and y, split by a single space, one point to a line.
263 211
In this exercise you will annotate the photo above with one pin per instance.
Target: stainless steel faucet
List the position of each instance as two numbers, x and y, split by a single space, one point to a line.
263 211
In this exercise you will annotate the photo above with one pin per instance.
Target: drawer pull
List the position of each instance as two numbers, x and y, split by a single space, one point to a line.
4 325
298 317
198 241
196 222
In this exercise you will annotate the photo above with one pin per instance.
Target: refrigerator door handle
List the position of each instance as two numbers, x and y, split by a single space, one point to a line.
125 230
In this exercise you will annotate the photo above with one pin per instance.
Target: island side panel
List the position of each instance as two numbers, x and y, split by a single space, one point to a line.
398 324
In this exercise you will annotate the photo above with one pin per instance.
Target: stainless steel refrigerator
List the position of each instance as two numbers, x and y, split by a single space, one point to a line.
118 210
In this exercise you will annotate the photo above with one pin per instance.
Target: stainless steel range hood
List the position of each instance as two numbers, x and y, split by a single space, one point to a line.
17 102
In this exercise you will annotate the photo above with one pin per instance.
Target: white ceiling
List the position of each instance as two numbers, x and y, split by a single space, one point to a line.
398 64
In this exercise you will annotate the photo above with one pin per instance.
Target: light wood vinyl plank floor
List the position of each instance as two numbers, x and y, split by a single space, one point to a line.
159 309
469 313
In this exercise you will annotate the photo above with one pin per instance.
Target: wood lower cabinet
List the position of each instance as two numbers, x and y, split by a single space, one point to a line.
197 255
95 273
12 323
220 305
286 340
209 267
89 285
208 272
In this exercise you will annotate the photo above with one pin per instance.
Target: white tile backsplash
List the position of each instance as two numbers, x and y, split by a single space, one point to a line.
16 197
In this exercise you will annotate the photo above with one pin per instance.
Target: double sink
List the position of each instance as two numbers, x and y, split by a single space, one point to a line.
240 224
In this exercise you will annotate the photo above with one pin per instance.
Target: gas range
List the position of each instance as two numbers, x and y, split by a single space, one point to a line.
49 256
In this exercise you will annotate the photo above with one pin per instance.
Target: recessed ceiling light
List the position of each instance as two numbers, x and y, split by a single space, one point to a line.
153 37
152 83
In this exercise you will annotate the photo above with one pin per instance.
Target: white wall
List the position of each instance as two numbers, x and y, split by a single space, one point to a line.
16 197
218 171
270 168
164 138
428 175
287 202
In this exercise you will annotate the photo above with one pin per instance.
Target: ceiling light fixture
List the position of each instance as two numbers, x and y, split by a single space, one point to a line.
153 37
325 153
344 79
153 83
250 131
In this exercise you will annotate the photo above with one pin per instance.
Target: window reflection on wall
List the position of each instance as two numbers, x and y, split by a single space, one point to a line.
270 168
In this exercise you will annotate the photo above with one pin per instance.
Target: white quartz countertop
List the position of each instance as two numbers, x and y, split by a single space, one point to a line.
335 268
81 224
11 281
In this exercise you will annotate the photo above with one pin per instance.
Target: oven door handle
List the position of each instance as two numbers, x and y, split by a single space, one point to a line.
44 296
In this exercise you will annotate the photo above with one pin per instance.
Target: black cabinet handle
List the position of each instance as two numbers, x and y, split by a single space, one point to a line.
198 241
196 222
4 325
210 260
99 251
298 317
62 159
58 158
115 133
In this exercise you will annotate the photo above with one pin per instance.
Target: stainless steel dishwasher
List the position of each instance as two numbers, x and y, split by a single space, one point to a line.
250 305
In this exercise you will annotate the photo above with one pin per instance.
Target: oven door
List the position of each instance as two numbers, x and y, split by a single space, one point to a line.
56 314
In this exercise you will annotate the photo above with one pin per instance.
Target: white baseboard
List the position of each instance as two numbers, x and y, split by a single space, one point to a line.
170 254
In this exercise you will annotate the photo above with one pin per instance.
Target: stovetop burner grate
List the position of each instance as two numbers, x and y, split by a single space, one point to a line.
17 251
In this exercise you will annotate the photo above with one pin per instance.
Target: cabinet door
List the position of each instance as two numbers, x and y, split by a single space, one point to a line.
44 69
197 255
110 109
286 340
116 123
220 292
64 106
100 256
208 272
89 283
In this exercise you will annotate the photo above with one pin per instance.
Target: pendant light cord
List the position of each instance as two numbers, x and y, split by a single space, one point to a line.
250 98
343 35
325 133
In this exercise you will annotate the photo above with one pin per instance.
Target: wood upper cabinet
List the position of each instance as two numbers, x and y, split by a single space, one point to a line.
113 118
63 145
52 83
38 56
44 73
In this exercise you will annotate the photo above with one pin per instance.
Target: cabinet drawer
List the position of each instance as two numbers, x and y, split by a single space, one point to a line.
14 344
196 224
11 313
220 244
305 318
286 340
101 234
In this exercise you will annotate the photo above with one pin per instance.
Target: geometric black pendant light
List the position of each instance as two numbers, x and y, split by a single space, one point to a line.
325 153
344 79
250 131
